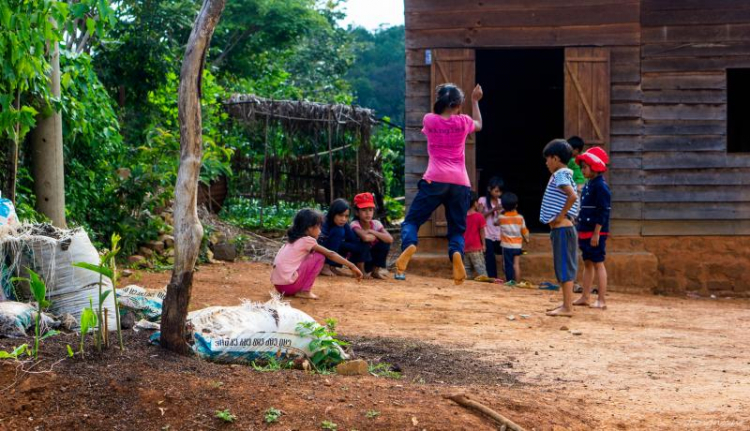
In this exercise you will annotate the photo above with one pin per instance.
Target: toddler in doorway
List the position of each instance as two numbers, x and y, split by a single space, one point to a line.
490 207
474 241
513 233
300 260
372 233
577 144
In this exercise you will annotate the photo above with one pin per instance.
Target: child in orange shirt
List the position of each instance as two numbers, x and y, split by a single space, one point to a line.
513 233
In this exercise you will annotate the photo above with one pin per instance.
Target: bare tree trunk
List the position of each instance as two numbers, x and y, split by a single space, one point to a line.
47 154
188 231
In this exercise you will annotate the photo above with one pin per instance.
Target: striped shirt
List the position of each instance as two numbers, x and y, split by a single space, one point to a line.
554 199
513 228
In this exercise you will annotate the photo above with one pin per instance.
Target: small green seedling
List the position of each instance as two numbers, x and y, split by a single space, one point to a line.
88 321
225 415
39 292
18 351
372 414
384 369
272 415
270 363
70 351
328 425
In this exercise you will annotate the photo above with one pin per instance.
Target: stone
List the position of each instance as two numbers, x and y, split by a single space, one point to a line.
156 246
511 317
136 259
225 251
357 367
126 273
576 332
168 240
563 328
146 252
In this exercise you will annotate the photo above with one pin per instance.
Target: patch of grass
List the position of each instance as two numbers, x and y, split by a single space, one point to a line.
272 415
225 415
270 363
384 369
372 414
328 425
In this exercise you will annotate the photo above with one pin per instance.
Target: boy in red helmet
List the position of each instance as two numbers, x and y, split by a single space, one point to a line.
593 224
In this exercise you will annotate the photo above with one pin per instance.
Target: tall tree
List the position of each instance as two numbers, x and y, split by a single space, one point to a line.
187 227
47 151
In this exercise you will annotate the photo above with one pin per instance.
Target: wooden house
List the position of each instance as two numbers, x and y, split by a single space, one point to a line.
663 85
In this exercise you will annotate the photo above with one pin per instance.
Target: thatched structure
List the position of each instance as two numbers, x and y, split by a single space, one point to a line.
344 130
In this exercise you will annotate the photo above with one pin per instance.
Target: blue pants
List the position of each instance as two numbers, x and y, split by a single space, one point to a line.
491 248
509 255
453 197
352 251
376 256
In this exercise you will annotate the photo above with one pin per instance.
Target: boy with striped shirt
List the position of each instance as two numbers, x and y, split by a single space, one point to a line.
513 233
559 209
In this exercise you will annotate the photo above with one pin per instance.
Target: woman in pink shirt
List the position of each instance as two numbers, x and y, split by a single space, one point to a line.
300 260
446 181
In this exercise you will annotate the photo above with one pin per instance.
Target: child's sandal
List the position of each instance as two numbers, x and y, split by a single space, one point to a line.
398 276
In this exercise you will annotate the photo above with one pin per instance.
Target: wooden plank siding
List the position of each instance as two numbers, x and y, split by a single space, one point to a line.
690 181
670 171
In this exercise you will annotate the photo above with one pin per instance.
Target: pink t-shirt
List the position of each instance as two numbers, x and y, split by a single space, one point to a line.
491 231
374 225
289 259
446 145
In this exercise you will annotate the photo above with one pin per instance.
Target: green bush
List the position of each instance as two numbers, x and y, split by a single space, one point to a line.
245 213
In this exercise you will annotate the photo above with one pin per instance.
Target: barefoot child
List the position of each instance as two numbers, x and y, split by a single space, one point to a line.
300 260
513 234
446 181
337 236
490 207
474 242
593 224
559 209
373 234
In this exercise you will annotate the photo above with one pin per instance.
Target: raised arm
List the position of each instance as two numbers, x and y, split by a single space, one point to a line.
476 96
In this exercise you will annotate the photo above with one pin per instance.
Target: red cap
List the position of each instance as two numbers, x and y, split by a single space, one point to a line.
596 158
364 200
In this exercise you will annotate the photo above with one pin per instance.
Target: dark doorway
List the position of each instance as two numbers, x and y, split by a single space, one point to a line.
522 109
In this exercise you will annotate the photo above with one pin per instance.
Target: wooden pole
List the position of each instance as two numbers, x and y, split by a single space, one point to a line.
464 400
330 153
263 175
188 231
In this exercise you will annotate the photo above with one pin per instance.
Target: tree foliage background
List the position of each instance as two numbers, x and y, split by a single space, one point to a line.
120 65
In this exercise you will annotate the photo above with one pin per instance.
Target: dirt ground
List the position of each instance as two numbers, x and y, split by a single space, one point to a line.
646 363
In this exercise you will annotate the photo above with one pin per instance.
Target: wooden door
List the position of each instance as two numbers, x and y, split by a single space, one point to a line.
457 66
587 92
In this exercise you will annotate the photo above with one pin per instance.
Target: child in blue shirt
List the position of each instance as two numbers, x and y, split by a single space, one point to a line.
337 235
559 209
593 225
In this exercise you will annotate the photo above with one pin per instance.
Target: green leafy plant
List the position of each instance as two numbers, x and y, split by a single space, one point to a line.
106 268
88 322
18 351
372 414
328 425
272 415
71 353
326 349
39 292
225 415
384 370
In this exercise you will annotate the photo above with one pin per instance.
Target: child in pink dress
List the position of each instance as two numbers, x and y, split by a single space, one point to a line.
301 259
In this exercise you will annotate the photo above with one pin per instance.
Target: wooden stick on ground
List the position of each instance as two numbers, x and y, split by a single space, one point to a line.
463 400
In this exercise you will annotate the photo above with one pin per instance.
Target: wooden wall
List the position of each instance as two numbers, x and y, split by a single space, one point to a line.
691 185
614 24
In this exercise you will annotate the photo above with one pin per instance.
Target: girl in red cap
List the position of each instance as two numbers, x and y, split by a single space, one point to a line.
593 224
373 234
